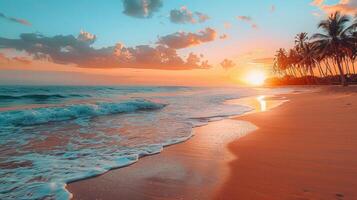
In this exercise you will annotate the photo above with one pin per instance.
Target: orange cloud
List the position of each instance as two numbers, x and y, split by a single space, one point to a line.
344 6
244 18
317 2
22 60
227 64
263 61
227 25
12 60
248 20
181 40
3 58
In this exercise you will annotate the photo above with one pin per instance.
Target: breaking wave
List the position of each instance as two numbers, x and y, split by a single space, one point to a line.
39 97
74 111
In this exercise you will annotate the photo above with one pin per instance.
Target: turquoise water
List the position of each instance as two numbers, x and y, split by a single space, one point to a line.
53 135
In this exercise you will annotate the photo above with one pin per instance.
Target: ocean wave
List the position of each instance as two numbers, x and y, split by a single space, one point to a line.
73 111
39 97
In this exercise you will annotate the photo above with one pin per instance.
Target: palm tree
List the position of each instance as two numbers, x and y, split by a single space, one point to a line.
294 62
281 61
335 40
332 53
300 40
352 54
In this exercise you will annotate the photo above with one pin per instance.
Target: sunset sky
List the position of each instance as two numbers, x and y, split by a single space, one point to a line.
150 42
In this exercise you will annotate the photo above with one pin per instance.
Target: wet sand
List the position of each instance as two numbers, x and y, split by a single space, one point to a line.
304 149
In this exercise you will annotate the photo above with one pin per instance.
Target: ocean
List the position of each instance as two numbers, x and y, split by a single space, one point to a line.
53 135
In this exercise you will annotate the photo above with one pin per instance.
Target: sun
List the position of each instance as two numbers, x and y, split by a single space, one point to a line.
255 77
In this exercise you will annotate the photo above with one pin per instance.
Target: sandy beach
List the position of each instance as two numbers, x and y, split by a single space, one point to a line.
303 149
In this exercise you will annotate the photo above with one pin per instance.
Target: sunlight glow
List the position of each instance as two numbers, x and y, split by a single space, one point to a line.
255 78
262 103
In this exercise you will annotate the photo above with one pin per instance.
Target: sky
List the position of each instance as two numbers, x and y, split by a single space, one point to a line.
150 42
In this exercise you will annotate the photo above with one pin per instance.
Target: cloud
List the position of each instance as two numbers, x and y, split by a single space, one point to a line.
223 36
248 20
86 37
348 8
181 40
202 17
272 8
316 14
141 8
184 16
15 20
15 59
317 2
69 49
244 18
22 60
181 16
227 25
254 26
263 61
344 6
227 64
193 59
3 58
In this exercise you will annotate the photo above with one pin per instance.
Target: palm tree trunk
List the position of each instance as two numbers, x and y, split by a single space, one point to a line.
328 73
328 67
294 72
353 66
299 70
322 74
342 75
347 67
314 78
334 67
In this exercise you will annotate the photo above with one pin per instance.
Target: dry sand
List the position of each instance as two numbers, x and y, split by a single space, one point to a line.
305 149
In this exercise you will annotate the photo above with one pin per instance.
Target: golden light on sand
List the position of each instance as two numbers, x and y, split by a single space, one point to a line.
262 103
255 77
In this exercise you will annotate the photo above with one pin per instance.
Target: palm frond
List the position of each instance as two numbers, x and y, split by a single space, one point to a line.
319 36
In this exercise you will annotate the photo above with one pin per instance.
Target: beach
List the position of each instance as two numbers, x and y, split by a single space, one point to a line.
303 149
178 100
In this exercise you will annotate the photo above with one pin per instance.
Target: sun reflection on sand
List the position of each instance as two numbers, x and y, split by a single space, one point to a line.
262 103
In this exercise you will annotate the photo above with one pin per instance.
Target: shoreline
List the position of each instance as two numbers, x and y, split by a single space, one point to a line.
206 133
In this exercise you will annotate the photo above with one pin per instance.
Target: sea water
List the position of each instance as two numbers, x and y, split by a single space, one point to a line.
53 135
